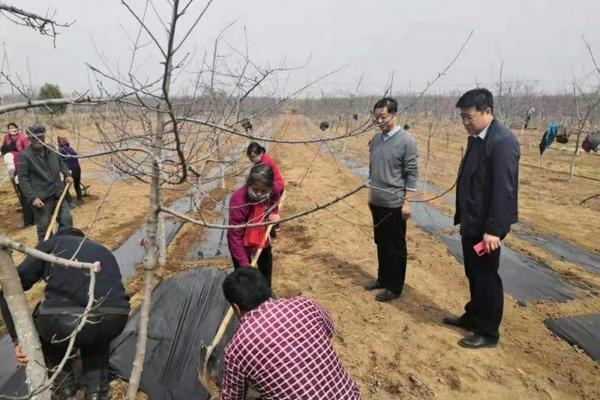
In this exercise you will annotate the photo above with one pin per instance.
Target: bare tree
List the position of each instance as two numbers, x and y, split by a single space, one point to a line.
583 117
45 25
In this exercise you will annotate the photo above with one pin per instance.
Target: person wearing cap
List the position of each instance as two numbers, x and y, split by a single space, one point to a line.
39 172
64 301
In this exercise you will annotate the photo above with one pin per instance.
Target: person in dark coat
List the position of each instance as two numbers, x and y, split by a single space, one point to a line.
65 149
40 167
486 206
64 301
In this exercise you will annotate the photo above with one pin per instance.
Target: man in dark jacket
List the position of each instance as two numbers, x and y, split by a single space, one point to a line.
486 206
65 298
39 176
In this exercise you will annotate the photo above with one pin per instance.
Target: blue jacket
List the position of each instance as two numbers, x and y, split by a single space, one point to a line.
487 188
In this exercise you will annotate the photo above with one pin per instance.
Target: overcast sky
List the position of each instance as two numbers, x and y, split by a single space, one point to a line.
538 40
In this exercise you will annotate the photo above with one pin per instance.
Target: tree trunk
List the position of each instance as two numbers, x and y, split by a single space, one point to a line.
162 241
572 163
28 336
151 257
151 244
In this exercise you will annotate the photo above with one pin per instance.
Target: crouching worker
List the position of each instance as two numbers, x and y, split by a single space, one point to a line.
253 203
283 347
64 301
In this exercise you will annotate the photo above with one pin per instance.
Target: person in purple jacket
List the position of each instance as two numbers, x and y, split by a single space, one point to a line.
72 163
253 203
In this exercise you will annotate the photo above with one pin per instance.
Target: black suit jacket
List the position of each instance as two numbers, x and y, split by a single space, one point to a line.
487 188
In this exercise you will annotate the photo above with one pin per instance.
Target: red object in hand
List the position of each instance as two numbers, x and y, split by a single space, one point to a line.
480 248
142 241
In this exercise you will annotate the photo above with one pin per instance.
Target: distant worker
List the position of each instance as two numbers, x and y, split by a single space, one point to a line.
282 347
64 301
528 116
486 206
250 204
64 148
393 173
258 155
39 177
15 142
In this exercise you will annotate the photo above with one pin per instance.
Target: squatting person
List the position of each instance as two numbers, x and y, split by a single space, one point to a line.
283 347
65 298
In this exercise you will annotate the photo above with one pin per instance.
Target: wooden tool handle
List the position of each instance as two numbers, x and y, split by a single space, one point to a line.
51 225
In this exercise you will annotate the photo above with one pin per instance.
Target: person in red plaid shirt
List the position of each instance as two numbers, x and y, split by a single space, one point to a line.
282 347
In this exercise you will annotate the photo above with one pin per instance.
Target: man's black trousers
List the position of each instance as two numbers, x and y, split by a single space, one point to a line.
93 341
487 295
264 263
390 238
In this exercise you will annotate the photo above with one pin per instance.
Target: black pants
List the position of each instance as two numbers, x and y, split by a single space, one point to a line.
93 341
42 216
264 264
487 296
26 207
76 175
390 238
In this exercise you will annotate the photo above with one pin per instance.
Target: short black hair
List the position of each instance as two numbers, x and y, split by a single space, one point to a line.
389 103
71 231
480 98
255 148
37 131
12 124
247 288
261 173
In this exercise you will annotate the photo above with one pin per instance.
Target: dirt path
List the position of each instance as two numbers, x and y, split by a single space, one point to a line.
400 349
395 350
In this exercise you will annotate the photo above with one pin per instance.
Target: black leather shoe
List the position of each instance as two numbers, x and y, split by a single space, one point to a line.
64 394
373 286
478 341
386 295
459 322
101 395
97 396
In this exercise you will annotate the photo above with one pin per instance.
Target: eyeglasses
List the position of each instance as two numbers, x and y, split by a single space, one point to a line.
380 119
468 117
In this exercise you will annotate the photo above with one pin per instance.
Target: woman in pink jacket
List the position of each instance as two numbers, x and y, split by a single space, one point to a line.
258 155
13 144
253 203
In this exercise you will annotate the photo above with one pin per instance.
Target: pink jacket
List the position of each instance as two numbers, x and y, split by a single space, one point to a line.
21 141
240 209
279 185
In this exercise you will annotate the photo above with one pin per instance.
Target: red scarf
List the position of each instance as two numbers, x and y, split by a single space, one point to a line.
255 235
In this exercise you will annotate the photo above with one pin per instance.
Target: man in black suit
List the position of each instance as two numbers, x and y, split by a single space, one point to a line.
486 206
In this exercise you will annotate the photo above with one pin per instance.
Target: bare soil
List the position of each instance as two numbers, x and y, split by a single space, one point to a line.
398 349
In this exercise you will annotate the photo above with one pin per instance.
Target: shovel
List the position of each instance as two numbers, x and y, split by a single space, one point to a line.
53 225
206 351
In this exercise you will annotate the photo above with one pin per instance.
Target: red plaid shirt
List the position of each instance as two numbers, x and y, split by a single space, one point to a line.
283 348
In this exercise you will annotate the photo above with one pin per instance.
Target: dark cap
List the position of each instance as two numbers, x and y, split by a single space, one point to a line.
37 131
